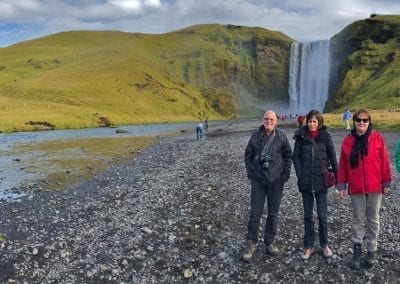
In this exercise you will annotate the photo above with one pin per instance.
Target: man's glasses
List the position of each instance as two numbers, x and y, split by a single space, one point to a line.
365 120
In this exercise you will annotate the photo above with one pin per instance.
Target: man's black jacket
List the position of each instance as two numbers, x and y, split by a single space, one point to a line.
279 151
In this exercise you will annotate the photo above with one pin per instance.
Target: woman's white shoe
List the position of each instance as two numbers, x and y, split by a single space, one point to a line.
326 251
307 253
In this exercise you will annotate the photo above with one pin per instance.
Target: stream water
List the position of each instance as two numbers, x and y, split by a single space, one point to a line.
13 163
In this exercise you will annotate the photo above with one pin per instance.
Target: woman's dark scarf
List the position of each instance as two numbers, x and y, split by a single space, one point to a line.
360 146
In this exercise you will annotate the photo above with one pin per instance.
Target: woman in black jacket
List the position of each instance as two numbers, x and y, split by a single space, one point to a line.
309 172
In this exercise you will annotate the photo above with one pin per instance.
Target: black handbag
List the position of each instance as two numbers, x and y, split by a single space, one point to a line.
329 176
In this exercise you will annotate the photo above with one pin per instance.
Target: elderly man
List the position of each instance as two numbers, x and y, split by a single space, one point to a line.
268 161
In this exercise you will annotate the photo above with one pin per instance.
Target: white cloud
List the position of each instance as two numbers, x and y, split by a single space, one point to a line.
135 5
6 10
152 3
26 4
301 20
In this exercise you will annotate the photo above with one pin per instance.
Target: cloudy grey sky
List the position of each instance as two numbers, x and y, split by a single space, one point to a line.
300 19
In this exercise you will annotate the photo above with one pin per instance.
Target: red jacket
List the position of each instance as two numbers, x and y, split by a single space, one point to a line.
373 171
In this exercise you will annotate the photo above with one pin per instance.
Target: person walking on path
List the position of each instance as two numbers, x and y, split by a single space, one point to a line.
268 162
206 124
312 137
397 156
364 173
300 120
199 131
346 118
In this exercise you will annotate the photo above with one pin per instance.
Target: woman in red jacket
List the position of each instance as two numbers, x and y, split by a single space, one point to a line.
364 174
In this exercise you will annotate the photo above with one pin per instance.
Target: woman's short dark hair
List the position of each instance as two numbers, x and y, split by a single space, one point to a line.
317 115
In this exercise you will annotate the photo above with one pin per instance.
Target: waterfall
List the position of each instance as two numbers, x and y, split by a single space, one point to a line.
308 76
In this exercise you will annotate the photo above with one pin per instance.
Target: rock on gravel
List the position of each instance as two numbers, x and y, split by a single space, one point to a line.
178 213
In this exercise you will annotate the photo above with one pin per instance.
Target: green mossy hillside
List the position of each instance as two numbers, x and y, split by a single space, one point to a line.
369 55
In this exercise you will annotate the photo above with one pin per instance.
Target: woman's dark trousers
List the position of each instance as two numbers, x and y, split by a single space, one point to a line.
322 210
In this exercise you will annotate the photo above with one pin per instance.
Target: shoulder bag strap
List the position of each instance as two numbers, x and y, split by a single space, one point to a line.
318 153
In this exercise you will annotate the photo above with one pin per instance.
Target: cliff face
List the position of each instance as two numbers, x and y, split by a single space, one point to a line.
249 64
273 59
365 67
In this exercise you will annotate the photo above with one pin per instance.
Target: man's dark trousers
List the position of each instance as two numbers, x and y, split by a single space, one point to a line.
259 192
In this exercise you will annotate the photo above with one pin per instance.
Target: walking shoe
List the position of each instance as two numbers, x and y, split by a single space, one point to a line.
326 252
371 259
271 249
307 253
250 250
355 262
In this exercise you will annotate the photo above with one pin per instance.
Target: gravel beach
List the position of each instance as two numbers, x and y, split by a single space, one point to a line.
177 213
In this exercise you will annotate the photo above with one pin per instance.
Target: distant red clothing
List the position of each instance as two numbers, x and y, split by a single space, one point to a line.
300 119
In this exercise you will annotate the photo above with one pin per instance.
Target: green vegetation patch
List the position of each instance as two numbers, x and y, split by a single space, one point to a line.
221 101
381 119
67 162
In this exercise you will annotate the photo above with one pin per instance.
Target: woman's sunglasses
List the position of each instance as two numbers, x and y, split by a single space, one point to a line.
365 120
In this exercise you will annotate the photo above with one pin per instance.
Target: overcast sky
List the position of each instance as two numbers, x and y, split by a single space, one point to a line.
302 20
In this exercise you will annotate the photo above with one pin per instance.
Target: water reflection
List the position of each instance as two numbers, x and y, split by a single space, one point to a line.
8 139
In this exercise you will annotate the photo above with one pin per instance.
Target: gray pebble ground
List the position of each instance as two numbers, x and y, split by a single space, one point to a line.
177 213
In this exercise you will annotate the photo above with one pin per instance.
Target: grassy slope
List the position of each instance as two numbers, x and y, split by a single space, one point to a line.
370 73
71 78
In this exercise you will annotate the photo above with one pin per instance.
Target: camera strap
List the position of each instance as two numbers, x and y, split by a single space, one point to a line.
265 149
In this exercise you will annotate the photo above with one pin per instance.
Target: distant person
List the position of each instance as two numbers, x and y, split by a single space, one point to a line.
199 131
364 174
206 124
309 172
268 162
300 120
397 156
346 118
